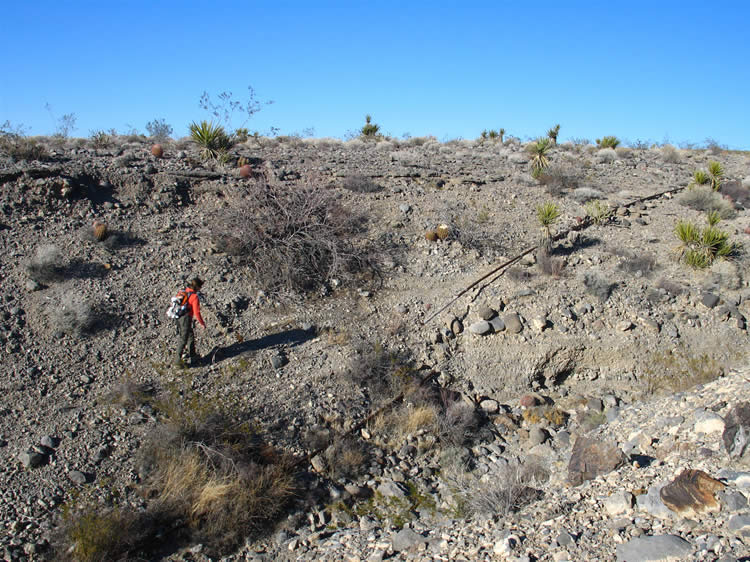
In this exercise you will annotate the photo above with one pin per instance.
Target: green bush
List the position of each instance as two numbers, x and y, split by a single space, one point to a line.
369 129
539 159
699 248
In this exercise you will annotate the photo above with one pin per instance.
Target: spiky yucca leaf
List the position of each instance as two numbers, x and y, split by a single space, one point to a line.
687 232
696 259
547 214
716 172
608 142
713 239
211 138
713 217
539 159
700 177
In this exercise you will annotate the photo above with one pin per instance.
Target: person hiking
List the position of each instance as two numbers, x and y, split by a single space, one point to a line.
185 324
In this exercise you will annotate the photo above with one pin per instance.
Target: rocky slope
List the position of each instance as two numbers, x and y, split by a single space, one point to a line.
614 324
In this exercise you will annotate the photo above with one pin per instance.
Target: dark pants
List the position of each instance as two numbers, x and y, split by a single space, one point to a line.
187 338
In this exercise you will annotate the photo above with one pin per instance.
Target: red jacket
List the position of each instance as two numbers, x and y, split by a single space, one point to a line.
194 306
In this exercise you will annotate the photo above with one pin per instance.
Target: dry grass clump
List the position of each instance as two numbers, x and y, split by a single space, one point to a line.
624 152
292 238
360 184
703 198
678 370
598 286
16 145
635 263
47 264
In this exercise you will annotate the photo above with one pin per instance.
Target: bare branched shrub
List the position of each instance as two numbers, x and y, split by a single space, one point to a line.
585 194
624 152
706 200
19 147
292 238
360 184
73 315
382 373
505 489
671 287
47 264
633 262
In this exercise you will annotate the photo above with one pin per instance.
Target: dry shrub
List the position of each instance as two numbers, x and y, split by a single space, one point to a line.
383 374
47 264
671 287
505 489
346 457
549 265
735 191
212 471
670 155
634 263
606 155
706 200
598 286
360 184
73 314
458 424
18 148
292 238
559 177
624 152
678 370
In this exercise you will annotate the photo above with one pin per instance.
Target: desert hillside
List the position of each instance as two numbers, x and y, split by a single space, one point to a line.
414 350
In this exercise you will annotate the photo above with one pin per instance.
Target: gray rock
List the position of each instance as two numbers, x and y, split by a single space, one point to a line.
658 547
404 208
709 300
595 404
497 324
32 286
77 477
49 441
318 463
31 459
513 323
406 539
278 361
612 414
480 328
537 436
490 405
652 503
733 500
708 422
739 523
565 539
392 489
619 502
486 313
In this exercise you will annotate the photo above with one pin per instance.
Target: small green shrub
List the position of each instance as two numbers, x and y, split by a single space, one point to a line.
159 130
608 142
547 214
241 135
212 139
700 177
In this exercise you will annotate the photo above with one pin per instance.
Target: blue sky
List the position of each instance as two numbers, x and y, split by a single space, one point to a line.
660 71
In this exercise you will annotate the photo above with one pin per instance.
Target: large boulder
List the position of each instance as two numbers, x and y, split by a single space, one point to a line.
592 457
691 493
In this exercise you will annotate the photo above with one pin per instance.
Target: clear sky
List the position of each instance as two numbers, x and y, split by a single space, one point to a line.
676 71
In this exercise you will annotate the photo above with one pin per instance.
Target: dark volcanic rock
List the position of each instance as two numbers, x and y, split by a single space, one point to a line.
592 457
691 493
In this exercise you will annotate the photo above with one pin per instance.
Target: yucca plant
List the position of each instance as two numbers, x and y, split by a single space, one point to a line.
501 134
608 142
700 177
599 211
369 129
687 232
213 140
553 132
713 217
699 248
547 214
539 159
716 173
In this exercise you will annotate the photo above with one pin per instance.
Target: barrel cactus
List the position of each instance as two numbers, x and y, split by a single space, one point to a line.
157 150
100 230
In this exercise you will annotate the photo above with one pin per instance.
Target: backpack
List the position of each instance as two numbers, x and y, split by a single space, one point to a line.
178 306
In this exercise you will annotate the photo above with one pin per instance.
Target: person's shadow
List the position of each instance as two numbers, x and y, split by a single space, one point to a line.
287 338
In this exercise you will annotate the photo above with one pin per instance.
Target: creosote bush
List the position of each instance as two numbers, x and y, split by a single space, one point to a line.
293 238
360 184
